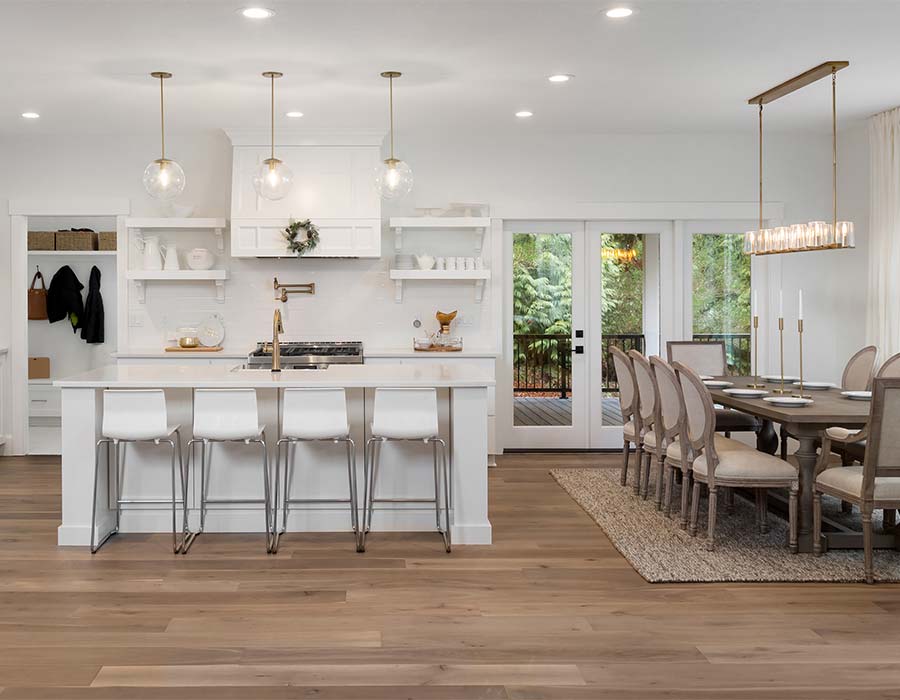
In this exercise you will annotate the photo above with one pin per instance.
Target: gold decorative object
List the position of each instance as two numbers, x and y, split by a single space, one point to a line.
782 390
756 384
815 235
800 394
445 320
285 289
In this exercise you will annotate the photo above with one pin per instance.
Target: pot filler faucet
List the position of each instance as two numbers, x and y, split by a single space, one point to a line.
277 324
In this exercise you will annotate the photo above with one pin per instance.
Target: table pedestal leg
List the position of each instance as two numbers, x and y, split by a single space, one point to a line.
806 456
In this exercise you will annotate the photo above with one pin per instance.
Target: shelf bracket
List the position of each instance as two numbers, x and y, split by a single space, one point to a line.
398 291
220 291
398 238
140 291
220 240
479 291
479 238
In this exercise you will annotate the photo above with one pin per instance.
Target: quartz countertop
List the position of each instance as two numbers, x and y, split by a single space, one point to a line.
230 353
438 375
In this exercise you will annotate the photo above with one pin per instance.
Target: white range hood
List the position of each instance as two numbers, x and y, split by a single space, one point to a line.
334 186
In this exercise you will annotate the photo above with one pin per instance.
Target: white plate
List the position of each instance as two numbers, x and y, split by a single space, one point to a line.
746 393
717 383
858 395
704 377
815 386
787 401
777 378
212 332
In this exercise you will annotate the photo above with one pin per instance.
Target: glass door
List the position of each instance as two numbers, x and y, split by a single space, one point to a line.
623 311
549 390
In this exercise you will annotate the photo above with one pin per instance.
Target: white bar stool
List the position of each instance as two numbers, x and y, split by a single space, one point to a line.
406 415
313 415
133 415
228 415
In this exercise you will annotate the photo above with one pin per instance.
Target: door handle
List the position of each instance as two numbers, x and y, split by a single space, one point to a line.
578 350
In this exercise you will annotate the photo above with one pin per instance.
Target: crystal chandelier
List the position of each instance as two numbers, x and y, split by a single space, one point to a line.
815 235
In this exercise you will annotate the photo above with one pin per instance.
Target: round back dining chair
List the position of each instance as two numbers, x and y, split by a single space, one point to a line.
859 370
647 409
704 357
891 367
631 421
672 424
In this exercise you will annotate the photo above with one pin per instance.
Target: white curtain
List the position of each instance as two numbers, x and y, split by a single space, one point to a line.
883 308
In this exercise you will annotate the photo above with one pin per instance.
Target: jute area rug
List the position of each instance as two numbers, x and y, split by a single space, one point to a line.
661 552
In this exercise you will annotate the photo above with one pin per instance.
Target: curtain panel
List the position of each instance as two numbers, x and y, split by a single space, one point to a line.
883 300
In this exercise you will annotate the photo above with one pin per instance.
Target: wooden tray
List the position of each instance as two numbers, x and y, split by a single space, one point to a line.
438 348
199 349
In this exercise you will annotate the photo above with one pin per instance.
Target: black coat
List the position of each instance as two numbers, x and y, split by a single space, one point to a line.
64 298
92 323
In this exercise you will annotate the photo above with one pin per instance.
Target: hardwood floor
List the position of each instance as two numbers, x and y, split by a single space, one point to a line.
550 611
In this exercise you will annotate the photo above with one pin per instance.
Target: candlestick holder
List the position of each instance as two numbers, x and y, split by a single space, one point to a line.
781 390
800 394
756 384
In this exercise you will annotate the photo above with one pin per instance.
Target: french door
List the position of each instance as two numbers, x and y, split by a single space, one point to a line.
577 288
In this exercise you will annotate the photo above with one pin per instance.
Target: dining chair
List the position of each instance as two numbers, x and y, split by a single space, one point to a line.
708 358
631 419
717 467
874 484
859 370
647 409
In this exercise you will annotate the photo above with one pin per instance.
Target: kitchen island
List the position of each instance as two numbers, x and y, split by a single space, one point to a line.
320 468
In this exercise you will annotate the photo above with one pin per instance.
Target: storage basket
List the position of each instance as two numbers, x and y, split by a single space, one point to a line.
107 240
42 240
76 240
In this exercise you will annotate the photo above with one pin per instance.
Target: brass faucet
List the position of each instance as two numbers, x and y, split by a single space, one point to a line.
277 330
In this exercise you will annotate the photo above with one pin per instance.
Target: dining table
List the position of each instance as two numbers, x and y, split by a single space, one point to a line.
806 424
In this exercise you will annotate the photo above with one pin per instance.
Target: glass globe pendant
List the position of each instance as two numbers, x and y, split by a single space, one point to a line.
273 179
163 178
394 178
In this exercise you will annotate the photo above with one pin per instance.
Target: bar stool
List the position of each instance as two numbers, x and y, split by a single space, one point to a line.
406 415
227 415
133 415
313 415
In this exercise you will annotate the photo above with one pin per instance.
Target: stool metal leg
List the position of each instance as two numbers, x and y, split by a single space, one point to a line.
94 544
445 477
281 500
351 474
270 534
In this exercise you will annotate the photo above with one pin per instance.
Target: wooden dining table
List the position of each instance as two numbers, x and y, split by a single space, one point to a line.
807 424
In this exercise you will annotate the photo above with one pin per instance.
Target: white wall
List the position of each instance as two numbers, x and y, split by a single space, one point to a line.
520 173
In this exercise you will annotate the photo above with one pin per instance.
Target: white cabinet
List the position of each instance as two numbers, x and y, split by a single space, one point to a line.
44 400
334 186
338 238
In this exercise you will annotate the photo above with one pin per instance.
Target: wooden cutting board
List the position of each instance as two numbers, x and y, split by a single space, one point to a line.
218 348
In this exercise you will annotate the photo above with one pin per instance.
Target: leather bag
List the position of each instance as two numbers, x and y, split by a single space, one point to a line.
37 299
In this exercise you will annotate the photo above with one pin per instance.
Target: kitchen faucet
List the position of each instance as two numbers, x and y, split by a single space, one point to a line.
277 330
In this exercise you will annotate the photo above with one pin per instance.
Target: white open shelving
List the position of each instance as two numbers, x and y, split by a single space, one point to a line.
477 276
140 277
163 223
70 253
478 224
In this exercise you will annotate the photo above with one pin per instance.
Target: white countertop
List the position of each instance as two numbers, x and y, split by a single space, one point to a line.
242 354
350 376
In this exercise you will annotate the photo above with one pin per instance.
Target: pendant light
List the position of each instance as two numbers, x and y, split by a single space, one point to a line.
394 178
273 179
163 178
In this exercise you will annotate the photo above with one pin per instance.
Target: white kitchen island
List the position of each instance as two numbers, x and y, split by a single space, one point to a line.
235 470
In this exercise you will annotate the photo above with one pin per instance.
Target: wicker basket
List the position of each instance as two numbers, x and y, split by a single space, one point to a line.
42 240
76 240
106 240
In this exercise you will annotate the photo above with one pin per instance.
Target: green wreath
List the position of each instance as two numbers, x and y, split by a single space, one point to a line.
299 246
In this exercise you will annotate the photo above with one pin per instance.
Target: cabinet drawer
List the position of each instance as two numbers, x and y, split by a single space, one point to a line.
44 400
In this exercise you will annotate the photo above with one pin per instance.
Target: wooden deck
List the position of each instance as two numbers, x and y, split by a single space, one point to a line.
541 410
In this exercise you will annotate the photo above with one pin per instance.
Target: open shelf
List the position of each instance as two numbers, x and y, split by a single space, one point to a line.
478 224
139 277
476 276
165 223
72 253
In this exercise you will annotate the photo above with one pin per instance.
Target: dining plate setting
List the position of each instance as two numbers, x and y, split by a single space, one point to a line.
815 386
746 393
788 401
717 383
857 395
776 378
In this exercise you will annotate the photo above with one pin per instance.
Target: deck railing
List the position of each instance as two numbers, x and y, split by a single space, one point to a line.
542 362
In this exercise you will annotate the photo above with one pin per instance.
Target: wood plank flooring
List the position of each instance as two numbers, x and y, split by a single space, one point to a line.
551 611
543 410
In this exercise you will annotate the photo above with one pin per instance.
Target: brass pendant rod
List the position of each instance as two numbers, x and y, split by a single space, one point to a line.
272 80
391 100
833 155
162 118
760 168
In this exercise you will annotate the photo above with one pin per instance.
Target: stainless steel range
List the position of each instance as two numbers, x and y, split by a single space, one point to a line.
307 355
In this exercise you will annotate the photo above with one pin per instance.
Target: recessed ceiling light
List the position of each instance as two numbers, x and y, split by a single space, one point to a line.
561 78
30 115
619 12
257 12
293 115
524 114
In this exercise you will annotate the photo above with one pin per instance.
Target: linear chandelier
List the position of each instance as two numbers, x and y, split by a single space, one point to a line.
815 235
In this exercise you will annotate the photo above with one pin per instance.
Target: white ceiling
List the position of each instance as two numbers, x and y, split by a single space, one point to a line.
674 66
